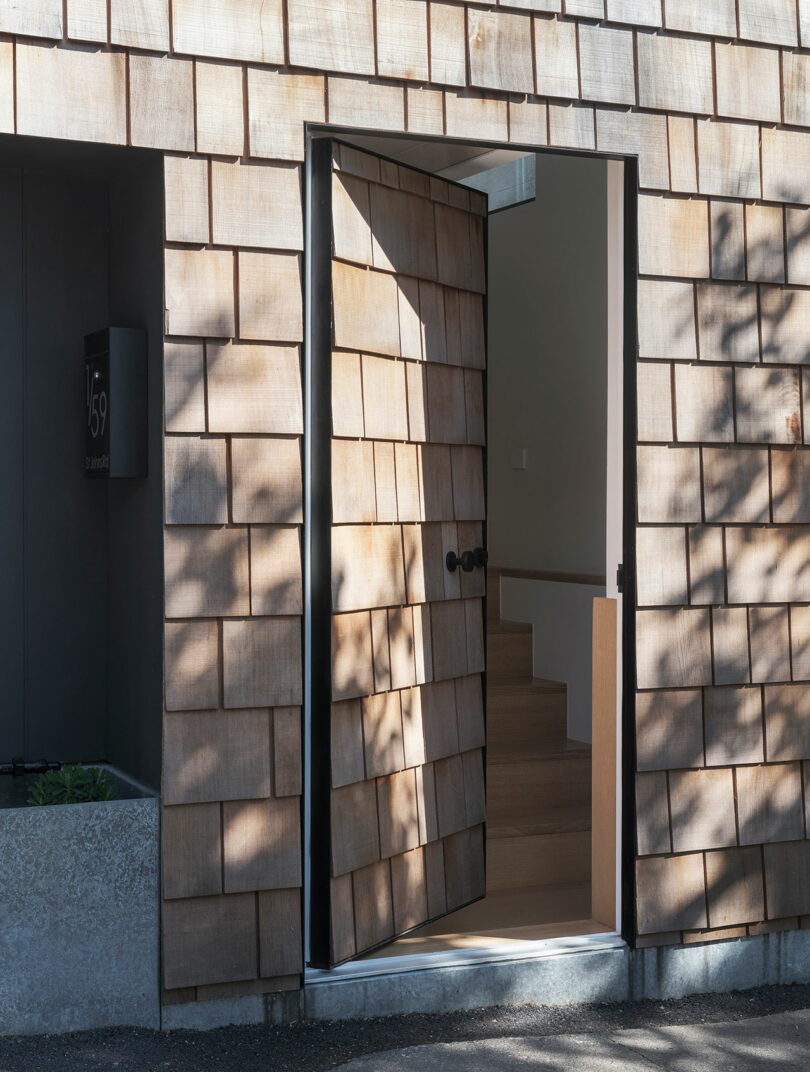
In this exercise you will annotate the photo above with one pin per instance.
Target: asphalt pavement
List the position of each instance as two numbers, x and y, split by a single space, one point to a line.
763 1029
771 1043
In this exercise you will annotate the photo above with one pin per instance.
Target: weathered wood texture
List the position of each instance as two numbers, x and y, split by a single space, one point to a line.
725 255
407 487
720 292
722 721
724 714
723 324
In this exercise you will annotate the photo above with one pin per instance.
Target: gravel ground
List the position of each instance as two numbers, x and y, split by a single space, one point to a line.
316 1047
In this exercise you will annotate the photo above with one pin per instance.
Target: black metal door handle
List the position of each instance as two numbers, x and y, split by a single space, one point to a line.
468 560
480 556
453 561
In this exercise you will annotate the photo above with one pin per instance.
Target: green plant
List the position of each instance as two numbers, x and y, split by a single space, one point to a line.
71 785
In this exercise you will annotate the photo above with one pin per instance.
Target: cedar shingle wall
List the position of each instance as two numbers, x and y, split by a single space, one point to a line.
724 477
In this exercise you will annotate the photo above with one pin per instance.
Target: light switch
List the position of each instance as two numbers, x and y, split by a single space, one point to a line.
519 457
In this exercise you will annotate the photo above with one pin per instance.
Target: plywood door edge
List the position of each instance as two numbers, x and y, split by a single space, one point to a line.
603 762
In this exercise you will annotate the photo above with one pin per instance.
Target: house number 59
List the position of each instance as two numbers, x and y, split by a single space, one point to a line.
96 404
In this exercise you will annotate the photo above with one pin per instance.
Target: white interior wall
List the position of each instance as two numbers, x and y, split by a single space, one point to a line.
562 616
547 396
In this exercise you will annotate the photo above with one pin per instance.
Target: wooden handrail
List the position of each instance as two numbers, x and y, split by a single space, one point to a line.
550 575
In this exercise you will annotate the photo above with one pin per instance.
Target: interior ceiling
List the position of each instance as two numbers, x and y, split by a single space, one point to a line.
450 159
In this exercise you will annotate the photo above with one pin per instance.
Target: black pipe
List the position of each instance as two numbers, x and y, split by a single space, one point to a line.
18 767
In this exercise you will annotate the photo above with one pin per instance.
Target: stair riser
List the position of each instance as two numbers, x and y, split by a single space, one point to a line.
519 741
538 702
519 791
541 860
538 711
505 814
509 654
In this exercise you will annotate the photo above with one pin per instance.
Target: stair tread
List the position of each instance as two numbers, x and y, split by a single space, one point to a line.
563 748
502 627
569 818
559 889
514 684
523 907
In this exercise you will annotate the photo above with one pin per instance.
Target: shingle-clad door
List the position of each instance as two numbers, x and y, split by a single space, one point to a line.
398 806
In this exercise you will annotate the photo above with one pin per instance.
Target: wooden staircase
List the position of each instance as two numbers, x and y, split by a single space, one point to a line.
538 781
538 809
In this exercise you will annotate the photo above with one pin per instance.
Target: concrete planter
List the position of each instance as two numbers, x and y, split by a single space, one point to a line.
79 915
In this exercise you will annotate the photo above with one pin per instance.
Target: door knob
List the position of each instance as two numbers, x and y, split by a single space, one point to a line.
480 556
468 560
453 561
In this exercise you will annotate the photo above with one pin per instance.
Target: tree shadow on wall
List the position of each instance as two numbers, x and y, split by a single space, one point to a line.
402 618
742 548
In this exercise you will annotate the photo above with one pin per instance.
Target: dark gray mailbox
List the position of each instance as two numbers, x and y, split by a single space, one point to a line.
115 403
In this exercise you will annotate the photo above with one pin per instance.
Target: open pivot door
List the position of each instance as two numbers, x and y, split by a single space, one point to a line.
396 389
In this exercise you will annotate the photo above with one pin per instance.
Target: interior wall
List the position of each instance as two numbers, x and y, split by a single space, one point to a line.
547 396
81 617
561 616
12 589
547 373
53 621
135 507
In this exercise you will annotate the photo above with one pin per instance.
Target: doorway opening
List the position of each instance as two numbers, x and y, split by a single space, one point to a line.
548 426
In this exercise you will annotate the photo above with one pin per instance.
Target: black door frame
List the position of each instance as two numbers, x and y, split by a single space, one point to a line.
318 513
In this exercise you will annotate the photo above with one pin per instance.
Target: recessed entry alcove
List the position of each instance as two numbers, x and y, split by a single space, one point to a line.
81 231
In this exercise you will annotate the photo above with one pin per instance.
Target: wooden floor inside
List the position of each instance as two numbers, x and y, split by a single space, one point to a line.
523 915
538 811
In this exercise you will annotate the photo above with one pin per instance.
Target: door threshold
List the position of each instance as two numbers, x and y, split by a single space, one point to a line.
456 958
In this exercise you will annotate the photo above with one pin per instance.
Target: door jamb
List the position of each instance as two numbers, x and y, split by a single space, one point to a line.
317 532
614 537
627 710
